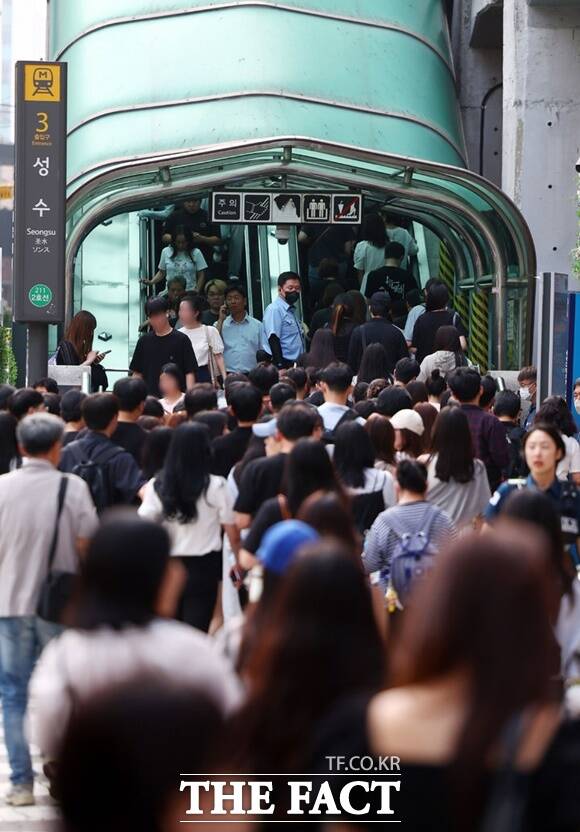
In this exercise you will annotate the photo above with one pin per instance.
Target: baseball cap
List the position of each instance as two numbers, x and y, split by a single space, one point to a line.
282 541
380 302
409 420
264 429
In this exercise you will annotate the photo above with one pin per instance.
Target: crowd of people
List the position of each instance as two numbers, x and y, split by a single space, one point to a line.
262 550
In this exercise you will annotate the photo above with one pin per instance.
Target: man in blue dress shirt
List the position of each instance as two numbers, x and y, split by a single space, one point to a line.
241 334
282 334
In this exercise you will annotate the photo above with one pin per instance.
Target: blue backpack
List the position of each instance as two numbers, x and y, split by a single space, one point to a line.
413 557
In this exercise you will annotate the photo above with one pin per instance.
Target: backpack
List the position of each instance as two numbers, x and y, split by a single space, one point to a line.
412 558
95 472
329 435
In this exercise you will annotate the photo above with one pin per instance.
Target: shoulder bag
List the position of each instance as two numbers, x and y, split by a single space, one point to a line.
58 586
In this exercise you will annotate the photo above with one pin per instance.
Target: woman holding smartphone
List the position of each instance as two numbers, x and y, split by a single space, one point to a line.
77 348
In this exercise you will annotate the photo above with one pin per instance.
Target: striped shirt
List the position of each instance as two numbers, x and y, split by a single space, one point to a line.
381 541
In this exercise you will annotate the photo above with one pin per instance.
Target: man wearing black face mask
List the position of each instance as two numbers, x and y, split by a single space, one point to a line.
282 335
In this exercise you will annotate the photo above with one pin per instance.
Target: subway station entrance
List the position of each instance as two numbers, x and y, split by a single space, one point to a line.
468 233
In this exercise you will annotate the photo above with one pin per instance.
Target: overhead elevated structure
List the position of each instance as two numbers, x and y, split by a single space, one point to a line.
167 99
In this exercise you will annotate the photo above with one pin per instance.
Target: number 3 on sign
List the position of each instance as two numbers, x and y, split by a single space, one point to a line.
42 126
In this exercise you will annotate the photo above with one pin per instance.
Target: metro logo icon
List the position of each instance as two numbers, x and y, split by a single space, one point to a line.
42 82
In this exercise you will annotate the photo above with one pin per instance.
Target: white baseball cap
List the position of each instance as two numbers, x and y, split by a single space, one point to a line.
409 420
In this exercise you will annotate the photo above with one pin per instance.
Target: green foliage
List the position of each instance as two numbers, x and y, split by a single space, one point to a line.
8 366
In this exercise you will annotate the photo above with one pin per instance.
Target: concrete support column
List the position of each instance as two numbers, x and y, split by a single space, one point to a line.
541 124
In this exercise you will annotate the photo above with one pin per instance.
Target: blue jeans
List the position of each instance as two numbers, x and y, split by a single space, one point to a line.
21 640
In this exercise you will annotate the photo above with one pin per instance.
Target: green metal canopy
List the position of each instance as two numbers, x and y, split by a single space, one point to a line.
165 99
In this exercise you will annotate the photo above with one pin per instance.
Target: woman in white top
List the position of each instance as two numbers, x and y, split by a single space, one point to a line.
181 260
172 386
205 340
456 482
369 253
371 489
193 505
122 626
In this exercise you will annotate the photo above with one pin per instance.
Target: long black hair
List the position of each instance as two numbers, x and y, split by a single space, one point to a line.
185 475
155 449
452 443
308 469
374 231
309 645
447 339
353 453
374 364
121 574
181 231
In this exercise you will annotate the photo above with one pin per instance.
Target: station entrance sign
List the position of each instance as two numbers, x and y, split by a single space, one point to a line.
286 208
39 198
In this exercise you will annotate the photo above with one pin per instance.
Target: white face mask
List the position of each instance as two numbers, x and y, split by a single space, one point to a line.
577 406
524 393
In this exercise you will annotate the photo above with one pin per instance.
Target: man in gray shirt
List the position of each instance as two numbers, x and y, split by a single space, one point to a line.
28 514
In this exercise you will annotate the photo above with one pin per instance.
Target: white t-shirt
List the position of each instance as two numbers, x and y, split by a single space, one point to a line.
182 265
169 407
82 663
367 258
377 480
200 337
199 536
571 462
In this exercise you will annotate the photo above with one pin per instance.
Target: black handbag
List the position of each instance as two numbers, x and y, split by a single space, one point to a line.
58 586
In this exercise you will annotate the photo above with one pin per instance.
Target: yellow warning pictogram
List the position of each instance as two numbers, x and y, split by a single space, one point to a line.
42 82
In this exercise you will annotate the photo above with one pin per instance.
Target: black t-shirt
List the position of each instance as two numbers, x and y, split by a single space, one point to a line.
208 318
153 351
132 437
268 515
377 331
229 449
426 328
397 282
261 479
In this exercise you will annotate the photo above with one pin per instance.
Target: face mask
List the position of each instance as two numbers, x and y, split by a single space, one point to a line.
524 393
577 406
291 297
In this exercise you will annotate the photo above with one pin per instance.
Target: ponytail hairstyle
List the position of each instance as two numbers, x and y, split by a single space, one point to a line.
342 311
435 384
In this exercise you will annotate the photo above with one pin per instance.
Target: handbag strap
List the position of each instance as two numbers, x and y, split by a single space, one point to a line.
61 495
506 806
210 356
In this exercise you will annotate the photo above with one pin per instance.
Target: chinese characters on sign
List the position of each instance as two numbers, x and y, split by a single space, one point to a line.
286 208
40 179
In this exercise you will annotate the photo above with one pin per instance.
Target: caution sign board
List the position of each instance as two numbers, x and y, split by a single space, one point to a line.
40 192
286 208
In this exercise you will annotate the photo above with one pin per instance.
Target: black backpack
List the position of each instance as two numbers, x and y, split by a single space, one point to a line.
95 471
329 435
